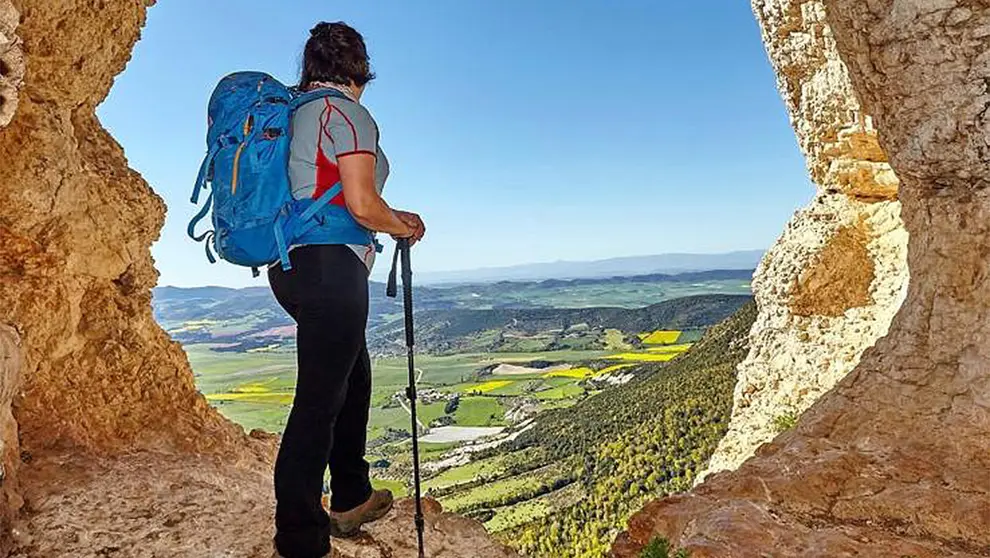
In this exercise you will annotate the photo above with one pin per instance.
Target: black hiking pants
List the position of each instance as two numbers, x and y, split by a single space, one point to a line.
326 293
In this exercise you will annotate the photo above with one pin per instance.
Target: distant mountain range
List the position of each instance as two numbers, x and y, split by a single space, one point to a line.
176 305
613 267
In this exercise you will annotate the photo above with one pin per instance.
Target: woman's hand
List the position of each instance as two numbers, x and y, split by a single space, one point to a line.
414 222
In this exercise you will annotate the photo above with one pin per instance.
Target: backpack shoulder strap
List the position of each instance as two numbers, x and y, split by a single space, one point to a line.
301 99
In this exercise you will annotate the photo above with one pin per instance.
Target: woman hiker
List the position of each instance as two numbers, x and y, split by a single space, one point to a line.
334 139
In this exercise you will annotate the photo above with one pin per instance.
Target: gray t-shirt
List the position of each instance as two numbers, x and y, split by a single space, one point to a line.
323 132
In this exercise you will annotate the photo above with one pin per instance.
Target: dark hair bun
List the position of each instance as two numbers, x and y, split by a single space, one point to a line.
321 29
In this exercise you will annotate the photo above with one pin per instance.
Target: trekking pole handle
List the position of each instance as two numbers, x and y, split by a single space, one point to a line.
404 248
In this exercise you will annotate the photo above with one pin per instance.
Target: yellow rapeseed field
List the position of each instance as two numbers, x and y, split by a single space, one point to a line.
662 337
278 398
251 388
576 373
676 349
489 386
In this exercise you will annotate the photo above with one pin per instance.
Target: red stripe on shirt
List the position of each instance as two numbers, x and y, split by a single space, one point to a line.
346 119
327 173
324 123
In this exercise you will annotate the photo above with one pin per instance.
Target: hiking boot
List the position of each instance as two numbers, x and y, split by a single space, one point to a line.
347 524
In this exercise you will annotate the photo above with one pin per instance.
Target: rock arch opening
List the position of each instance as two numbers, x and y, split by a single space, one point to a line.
85 368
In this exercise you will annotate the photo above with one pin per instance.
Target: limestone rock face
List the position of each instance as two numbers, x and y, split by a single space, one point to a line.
96 372
894 460
11 61
75 267
829 287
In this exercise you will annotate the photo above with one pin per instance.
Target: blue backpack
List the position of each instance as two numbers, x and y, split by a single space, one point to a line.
255 218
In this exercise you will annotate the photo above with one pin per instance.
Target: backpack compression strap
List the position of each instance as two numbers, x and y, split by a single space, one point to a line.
305 223
204 170
201 180
206 236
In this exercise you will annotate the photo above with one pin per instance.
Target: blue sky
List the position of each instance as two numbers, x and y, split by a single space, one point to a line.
522 131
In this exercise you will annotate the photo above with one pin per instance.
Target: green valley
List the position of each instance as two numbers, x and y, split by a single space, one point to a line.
548 424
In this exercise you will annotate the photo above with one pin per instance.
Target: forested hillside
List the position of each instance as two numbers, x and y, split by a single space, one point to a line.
565 487
637 441
460 330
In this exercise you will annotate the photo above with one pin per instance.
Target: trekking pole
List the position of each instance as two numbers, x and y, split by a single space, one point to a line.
402 251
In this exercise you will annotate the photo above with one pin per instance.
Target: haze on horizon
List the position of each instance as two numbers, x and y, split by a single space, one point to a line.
628 266
523 134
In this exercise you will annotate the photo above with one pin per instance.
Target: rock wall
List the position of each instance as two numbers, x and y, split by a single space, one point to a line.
829 287
11 76
11 61
76 225
895 460
75 266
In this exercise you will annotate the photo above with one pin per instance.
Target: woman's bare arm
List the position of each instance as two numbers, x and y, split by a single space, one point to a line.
357 175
